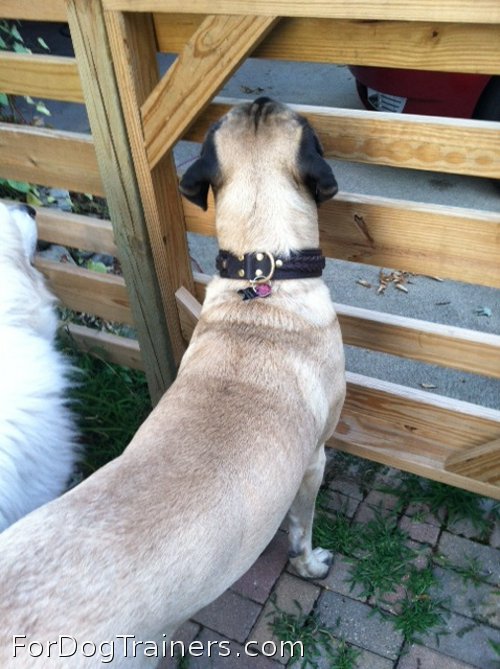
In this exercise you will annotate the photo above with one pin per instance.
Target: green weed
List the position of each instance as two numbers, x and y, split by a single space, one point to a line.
438 497
418 612
317 640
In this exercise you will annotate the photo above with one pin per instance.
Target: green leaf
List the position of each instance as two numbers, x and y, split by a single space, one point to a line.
15 33
20 186
32 199
97 267
42 43
4 99
19 48
40 107
3 45
29 100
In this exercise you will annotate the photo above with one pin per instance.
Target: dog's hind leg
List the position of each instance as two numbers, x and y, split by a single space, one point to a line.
307 562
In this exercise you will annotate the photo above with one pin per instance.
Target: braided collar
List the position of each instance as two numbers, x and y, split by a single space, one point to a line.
263 267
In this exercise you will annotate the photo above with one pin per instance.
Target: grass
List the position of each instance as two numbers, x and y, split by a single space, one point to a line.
383 565
457 505
110 402
317 640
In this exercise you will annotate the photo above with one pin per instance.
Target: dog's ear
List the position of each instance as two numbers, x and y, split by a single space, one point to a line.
315 171
202 173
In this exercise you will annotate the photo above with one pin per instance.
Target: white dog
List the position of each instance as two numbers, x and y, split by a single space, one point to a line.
38 444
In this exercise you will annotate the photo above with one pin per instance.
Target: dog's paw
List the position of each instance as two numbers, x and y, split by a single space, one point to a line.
316 565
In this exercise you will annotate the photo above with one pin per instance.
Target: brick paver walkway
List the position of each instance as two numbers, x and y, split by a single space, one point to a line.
471 607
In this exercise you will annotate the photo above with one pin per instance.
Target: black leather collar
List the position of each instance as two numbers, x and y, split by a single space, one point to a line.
263 267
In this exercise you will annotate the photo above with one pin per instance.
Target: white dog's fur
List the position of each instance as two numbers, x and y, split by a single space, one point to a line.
37 434
234 444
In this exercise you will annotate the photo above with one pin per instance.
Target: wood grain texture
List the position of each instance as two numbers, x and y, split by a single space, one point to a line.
460 11
53 77
79 232
134 52
457 146
109 130
479 462
48 10
208 59
443 47
50 158
448 242
189 311
107 346
444 345
103 295
405 428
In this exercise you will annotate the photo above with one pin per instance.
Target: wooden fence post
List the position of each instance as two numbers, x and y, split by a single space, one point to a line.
133 47
104 109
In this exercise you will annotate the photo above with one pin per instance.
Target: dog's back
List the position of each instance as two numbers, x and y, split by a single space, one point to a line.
37 434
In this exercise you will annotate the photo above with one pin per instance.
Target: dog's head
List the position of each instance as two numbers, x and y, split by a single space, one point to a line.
266 134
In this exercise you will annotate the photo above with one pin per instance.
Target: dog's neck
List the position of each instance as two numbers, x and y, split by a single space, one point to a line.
266 218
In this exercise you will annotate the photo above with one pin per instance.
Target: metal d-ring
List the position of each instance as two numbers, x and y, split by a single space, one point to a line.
266 278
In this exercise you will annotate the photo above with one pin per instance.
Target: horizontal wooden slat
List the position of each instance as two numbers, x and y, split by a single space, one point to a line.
52 77
445 47
406 428
103 295
460 11
48 10
50 158
78 232
457 146
445 345
449 242
457 348
110 347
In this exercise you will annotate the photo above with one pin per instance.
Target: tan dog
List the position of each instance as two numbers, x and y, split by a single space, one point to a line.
234 444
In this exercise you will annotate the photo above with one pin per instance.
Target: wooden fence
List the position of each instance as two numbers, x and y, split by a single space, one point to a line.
137 117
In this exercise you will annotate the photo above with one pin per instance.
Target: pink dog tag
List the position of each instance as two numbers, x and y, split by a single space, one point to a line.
262 289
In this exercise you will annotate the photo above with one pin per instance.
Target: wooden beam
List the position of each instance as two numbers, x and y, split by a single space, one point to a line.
50 158
209 58
444 47
408 429
479 462
189 311
78 232
48 10
105 113
133 48
53 77
444 345
460 11
448 242
103 295
457 146
73 230
109 347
